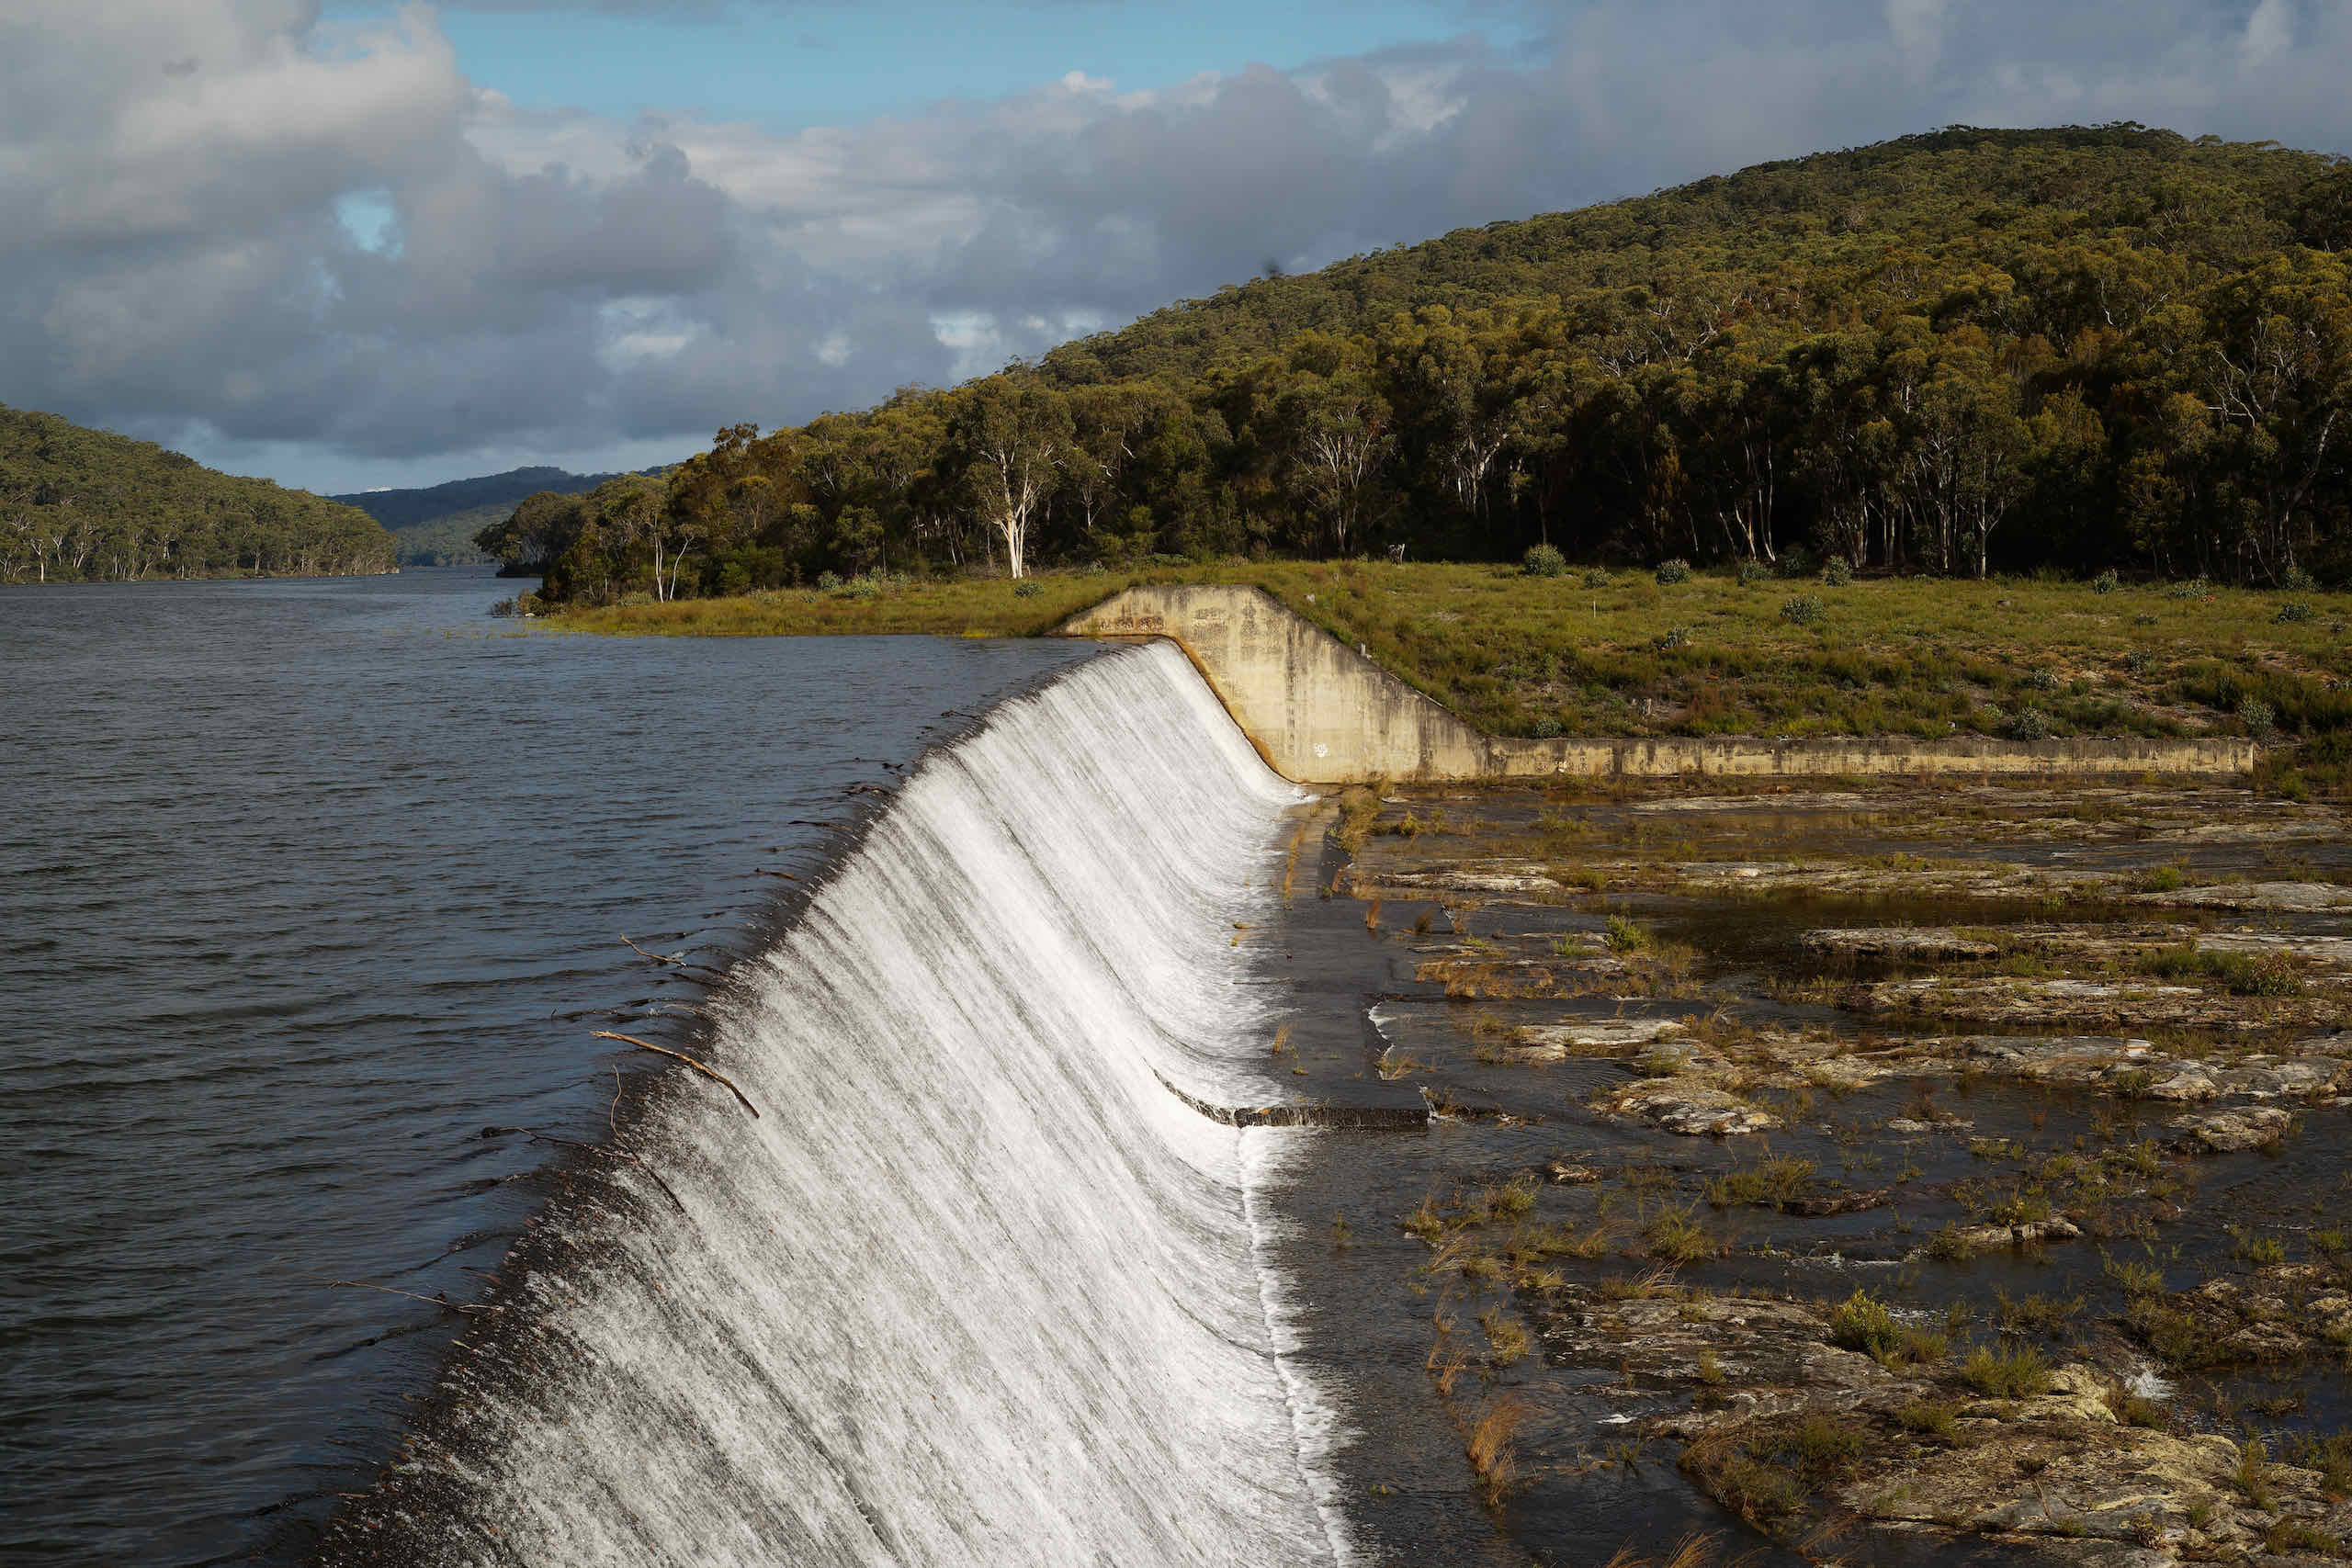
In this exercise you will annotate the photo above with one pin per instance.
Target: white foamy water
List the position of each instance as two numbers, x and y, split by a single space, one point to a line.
975 1288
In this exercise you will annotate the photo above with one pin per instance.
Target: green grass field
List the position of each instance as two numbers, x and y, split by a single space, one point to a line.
1626 655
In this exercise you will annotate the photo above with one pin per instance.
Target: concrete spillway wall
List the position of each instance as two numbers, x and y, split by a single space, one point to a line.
1321 713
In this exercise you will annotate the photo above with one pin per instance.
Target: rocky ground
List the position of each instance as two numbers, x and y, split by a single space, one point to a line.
1919 1169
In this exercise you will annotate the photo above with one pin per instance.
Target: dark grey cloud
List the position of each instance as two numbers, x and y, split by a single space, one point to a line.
184 260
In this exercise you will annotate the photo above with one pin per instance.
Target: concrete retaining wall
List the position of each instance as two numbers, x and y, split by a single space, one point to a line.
1321 713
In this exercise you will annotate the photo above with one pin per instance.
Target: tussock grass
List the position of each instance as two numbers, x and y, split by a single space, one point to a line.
1861 1321
2016 1373
2240 973
1492 1444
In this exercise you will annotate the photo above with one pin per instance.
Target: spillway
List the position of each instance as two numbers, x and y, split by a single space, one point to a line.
974 1287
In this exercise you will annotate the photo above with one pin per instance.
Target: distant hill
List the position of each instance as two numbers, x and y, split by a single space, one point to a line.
82 506
437 524
398 509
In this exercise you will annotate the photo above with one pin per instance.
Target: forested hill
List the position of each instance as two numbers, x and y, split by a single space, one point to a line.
397 509
436 525
79 505
2079 349
1833 224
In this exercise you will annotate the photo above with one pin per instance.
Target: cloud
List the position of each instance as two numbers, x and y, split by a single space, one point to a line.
237 225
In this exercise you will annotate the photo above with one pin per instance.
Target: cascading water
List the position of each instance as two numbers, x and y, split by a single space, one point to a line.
975 1287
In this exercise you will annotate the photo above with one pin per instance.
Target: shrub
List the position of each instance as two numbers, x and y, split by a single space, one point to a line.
1797 563
1803 610
867 588
828 580
2140 661
1837 571
1626 936
2295 579
1822 1445
2256 1251
1752 572
1770 1182
1671 639
1670 573
2031 724
1757 1491
2256 714
2135 1279
503 608
2240 973
2300 1538
1543 560
2195 588
2254 1473
2295 610
1928 1420
1027 587
1673 1236
2106 581
1596 577
2006 1374
1861 1322
2035 1314
2042 681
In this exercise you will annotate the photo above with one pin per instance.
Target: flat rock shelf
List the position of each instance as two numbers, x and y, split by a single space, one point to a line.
1913 1171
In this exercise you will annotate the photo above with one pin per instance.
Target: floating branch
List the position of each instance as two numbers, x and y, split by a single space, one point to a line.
671 960
443 1303
762 871
681 1056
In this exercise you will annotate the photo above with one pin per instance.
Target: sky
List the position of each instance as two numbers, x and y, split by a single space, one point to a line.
349 245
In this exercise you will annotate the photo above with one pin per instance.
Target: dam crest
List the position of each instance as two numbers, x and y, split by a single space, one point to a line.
1321 713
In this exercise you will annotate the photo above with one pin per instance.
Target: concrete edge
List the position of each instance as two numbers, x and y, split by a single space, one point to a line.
1322 712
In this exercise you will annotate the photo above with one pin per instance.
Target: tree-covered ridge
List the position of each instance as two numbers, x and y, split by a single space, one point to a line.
403 509
2082 349
79 505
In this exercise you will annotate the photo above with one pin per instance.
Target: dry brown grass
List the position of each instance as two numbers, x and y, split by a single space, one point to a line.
1492 1444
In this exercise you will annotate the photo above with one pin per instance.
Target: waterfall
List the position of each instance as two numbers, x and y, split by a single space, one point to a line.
975 1287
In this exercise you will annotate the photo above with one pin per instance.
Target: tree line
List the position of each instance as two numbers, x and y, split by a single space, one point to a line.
2077 350
80 505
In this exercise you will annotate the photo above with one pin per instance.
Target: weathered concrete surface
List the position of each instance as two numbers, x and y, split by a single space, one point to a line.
1322 712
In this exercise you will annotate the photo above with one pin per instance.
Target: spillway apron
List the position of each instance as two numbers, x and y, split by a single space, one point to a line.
975 1288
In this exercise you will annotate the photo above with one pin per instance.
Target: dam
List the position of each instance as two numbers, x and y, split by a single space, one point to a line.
993 1229
973 1286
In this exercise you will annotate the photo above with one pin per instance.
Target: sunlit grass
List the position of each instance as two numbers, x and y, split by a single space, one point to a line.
1528 655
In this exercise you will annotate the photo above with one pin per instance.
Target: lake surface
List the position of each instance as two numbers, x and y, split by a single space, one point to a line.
305 883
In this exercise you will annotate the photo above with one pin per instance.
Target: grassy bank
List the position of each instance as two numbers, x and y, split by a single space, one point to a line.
1623 654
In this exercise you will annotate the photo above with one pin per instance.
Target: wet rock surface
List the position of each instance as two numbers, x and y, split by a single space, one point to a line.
2049 1078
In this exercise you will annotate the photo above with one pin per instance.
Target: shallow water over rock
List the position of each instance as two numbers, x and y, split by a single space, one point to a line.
1983 1055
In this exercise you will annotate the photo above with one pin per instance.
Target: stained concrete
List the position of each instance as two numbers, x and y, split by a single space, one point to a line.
1322 712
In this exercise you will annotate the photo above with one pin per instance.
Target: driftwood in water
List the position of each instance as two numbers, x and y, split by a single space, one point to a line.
680 1056
443 1303
672 960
